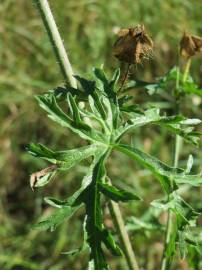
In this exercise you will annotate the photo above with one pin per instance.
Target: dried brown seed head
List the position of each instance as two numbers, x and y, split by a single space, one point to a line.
190 45
133 45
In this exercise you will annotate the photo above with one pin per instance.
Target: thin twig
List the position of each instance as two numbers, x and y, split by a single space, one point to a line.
186 70
125 77
166 262
123 234
56 41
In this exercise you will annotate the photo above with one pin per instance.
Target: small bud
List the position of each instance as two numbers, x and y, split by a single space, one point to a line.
190 45
133 45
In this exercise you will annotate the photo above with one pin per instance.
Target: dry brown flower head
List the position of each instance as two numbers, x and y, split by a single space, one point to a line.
190 45
133 45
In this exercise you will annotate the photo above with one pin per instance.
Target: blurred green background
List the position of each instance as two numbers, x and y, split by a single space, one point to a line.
28 67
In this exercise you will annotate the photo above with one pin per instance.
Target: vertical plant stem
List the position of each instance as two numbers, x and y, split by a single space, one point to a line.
125 77
67 72
56 41
186 70
166 262
123 235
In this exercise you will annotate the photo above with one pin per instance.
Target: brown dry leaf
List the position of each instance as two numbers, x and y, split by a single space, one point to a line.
190 45
34 178
133 45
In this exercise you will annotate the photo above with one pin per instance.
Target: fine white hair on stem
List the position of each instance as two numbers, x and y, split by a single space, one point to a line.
56 41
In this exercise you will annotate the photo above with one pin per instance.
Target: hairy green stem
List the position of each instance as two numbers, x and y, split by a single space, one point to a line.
166 262
56 41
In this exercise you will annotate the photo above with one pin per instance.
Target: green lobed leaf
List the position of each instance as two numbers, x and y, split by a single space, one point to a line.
177 124
110 101
39 150
190 162
94 223
135 121
163 172
84 245
168 176
194 256
124 99
163 83
99 115
115 79
190 87
186 132
137 84
65 159
136 224
82 193
49 104
87 85
186 217
105 105
91 90
148 222
78 122
59 216
117 194
101 265
132 108
171 245
61 93
193 180
98 105
182 244
56 202
110 243
100 75
185 214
